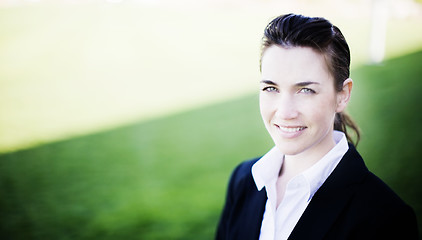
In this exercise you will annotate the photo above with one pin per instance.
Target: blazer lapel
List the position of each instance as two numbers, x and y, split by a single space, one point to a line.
254 218
331 198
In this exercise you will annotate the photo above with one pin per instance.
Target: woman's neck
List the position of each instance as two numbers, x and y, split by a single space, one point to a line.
293 165
296 164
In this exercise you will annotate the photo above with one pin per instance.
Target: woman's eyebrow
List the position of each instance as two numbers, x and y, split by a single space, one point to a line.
269 82
303 84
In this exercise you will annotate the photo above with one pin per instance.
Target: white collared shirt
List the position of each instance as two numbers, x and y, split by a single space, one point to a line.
278 222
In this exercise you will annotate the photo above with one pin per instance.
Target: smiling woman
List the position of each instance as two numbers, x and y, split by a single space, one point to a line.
299 112
313 184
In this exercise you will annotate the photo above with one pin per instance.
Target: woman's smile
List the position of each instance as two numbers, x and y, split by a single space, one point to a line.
290 131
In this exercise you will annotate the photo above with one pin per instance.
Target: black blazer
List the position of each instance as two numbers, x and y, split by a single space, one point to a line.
351 204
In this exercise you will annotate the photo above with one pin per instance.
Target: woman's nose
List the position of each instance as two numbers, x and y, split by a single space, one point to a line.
286 108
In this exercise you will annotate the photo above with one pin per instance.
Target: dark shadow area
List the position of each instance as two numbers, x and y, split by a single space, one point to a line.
166 178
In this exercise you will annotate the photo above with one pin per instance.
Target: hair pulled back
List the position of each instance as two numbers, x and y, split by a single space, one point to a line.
292 30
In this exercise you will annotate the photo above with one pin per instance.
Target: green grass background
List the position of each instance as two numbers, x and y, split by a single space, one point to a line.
162 178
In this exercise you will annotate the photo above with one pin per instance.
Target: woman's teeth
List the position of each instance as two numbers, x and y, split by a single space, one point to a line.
292 129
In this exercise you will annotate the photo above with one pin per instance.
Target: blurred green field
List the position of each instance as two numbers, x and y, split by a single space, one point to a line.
163 179
166 179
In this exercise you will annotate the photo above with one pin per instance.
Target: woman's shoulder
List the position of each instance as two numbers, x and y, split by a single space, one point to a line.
372 209
371 196
378 194
244 169
367 185
241 178
382 211
246 166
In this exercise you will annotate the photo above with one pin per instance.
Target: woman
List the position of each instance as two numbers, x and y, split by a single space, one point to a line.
313 184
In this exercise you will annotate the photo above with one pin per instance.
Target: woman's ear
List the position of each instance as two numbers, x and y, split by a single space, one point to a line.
343 96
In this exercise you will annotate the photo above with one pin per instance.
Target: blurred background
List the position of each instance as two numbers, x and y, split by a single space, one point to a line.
123 119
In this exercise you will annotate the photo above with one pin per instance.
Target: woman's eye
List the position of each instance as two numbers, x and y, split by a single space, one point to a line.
306 90
269 89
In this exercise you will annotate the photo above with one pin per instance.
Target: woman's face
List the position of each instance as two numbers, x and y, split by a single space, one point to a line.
298 101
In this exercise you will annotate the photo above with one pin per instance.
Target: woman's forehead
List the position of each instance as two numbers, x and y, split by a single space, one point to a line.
294 64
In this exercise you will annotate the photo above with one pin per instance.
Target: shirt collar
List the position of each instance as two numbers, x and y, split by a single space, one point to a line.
319 172
266 169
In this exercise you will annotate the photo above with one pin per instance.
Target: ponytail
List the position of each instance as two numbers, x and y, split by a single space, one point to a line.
343 122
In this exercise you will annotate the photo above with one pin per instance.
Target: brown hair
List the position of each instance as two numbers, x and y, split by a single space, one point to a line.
292 30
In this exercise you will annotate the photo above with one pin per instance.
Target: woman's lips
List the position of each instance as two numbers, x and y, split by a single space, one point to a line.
290 131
